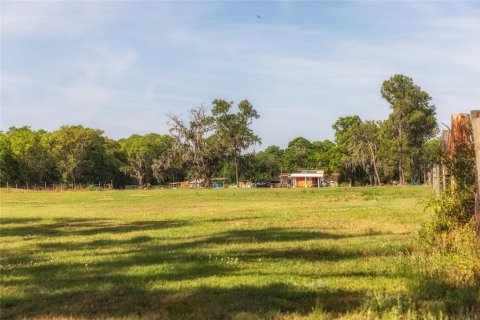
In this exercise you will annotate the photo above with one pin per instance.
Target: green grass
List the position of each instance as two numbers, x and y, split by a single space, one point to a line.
208 254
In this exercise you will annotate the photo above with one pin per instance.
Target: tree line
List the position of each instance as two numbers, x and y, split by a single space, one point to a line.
215 142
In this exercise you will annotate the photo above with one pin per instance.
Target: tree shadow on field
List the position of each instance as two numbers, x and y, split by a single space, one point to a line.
128 298
246 236
232 237
5 221
66 227
162 278
259 302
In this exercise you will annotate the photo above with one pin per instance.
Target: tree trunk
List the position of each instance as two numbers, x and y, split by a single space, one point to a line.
237 164
374 160
139 177
401 177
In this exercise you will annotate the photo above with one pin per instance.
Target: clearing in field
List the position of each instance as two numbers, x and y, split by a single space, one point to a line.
205 253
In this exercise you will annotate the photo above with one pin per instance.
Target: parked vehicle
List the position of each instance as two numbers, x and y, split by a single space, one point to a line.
263 184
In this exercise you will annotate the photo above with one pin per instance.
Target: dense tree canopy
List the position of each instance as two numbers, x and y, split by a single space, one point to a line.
300 154
141 151
215 142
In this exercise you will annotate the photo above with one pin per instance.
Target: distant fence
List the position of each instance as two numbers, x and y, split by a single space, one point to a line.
59 186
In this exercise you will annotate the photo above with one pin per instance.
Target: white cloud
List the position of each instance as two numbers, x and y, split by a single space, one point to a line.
52 18
299 77
94 62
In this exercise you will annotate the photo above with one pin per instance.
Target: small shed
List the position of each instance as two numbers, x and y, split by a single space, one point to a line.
174 185
307 178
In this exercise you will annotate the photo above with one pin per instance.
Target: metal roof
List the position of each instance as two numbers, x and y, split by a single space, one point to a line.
306 175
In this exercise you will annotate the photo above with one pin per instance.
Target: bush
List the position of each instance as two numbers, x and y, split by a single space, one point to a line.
92 187
454 206
447 278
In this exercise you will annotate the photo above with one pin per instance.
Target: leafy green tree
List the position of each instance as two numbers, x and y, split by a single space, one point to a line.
299 154
344 133
141 152
117 159
432 154
324 155
363 148
31 151
268 164
8 165
83 155
411 123
233 129
263 165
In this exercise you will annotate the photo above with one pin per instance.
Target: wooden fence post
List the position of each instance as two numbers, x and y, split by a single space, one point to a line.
436 182
475 120
445 149
459 135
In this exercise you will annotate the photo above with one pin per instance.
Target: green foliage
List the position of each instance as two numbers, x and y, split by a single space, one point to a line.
31 153
461 166
233 130
263 165
356 146
209 145
269 162
448 277
92 187
8 165
411 123
324 156
84 155
453 207
73 154
300 154
197 143
141 151
432 154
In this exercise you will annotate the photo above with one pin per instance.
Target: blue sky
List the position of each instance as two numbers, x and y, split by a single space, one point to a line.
121 66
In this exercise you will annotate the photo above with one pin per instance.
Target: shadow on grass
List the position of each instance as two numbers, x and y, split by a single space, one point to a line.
65 227
18 220
262 301
436 292
223 238
130 299
137 277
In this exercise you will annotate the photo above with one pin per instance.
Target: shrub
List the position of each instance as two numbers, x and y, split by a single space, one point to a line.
448 277
92 187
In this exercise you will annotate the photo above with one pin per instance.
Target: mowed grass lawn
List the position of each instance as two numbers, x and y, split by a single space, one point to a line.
205 254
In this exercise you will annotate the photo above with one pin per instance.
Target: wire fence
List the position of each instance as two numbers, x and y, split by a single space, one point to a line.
102 186
59 186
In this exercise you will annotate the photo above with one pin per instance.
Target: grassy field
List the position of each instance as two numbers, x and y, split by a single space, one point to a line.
207 254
